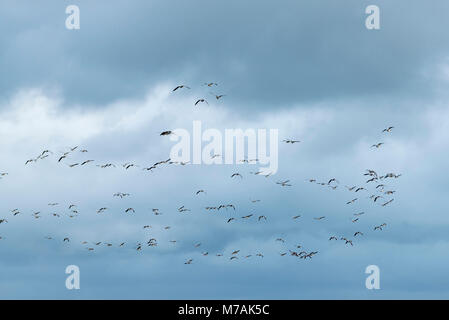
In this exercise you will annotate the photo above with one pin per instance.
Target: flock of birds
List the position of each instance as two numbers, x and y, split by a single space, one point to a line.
375 188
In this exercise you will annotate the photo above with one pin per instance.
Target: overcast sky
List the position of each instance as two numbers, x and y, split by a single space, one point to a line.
309 69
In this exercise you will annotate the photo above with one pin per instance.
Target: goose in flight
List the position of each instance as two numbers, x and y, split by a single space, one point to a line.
352 201
389 129
86 162
156 212
226 206
201 101
129 165
45 154
162 162
291 141
218 96
180 87
121 195
387 203
377 145
166 133
183 209
372 180
380 227
333 238
262 217
294 253
296 217
358 233
268 174
284 183
236 175
391 175
371 173
107 165
319 218
200 191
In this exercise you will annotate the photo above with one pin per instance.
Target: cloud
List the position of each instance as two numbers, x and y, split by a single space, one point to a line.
128 131
309 69
265 55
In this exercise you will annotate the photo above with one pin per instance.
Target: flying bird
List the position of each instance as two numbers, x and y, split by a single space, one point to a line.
290 141
180 87
284 183
377 145
201 101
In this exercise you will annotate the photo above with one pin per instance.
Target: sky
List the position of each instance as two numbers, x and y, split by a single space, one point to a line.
309 69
